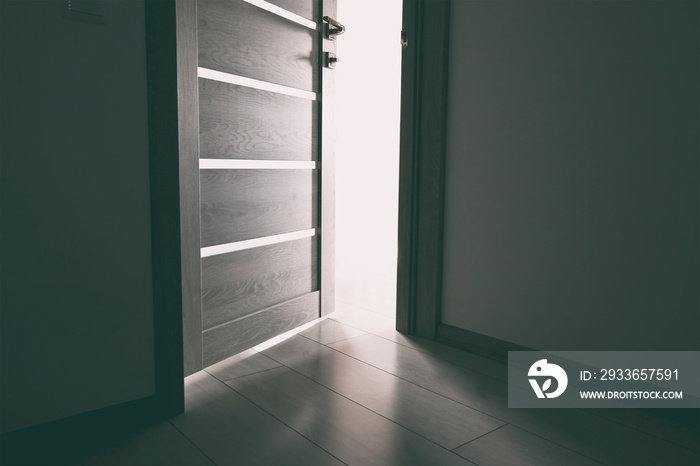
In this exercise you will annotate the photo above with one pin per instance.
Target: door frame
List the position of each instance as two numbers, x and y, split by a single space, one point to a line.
422 166
327 177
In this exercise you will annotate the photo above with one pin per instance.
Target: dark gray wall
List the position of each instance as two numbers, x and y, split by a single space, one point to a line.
77 312
572 203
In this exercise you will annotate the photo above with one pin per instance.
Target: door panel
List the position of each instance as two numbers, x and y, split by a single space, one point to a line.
242 282
265 172
239 205
234 337
242 39
239 122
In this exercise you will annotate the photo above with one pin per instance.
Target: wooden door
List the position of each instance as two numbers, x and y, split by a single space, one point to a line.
265 171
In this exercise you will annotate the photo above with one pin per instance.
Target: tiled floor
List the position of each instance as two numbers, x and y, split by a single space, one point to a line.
351 390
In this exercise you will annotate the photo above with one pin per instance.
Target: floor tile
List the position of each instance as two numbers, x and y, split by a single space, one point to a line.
473 389
655 424
331 331
510 445
349 431
592 436
603 440
245 363
158 445
233 431
642 420
430 415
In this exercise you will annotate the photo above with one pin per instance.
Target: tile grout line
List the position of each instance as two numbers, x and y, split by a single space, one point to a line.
480 436
437 355
241 376
471 407
417 385
368 332
557 444
531 433
331 342
192 442
350 325
365 407
275 417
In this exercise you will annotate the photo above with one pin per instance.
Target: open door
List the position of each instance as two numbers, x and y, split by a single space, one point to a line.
264 171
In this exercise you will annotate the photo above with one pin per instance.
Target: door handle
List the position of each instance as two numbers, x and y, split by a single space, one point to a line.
332 28
329 59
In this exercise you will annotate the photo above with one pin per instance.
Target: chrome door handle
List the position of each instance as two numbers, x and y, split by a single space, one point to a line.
332 28
329 59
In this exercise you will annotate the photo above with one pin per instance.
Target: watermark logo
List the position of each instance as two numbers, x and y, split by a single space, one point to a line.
546 372
603 379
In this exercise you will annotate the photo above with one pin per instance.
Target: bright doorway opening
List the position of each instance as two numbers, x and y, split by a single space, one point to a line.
368 80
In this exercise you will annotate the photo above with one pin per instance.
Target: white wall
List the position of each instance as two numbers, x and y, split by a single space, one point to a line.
77 317
572 203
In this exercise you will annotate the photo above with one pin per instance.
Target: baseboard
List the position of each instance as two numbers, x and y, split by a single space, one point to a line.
496 349
492 348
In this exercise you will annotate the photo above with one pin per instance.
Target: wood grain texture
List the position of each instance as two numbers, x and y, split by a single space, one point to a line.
328 136
238 122
242 282
244 204
230 339
306 8
239 38
189 185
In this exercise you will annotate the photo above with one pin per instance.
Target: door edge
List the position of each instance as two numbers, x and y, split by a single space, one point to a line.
422 166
